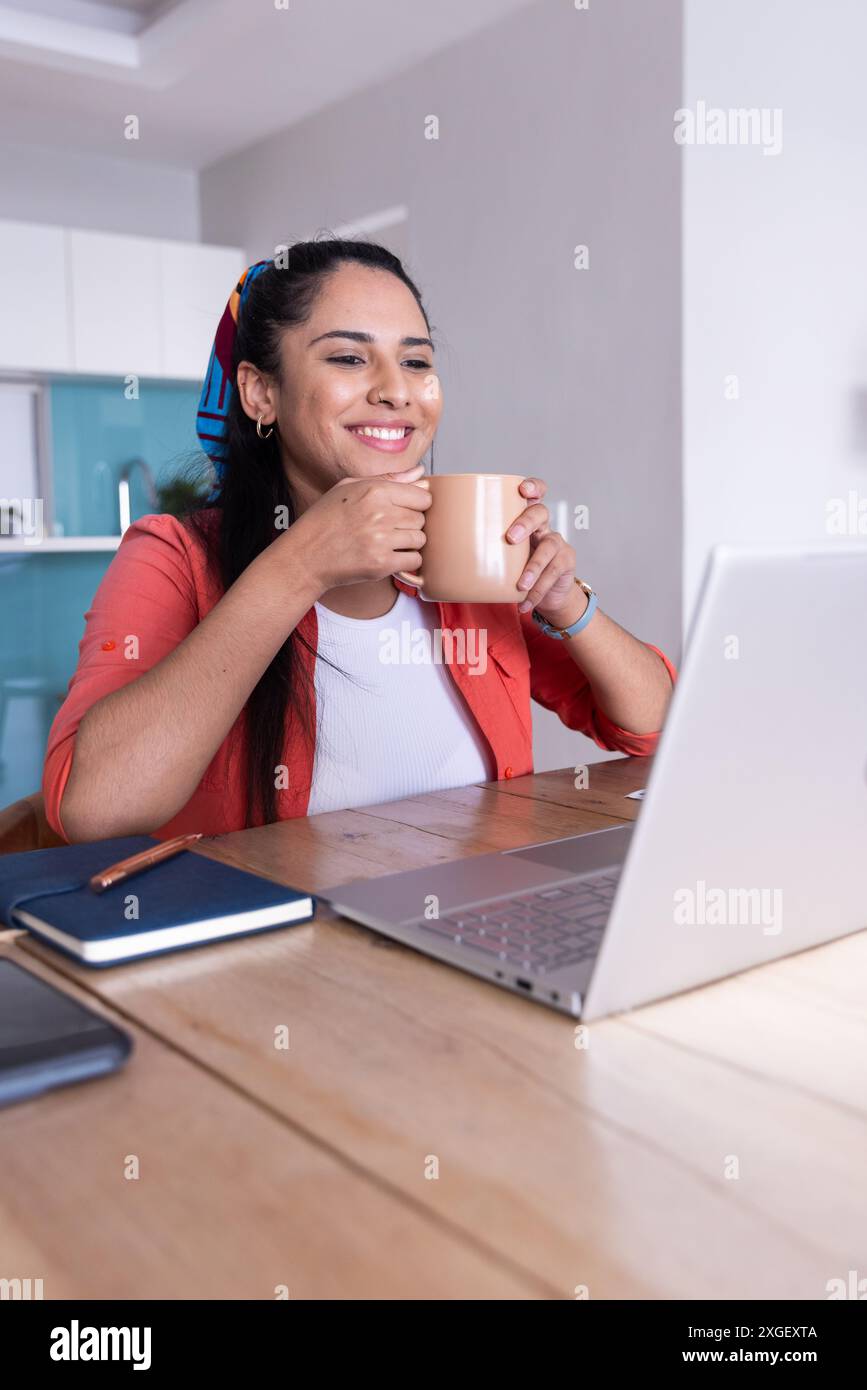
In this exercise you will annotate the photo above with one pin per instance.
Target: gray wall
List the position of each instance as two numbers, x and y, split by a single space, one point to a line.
97 193
555 130
774 288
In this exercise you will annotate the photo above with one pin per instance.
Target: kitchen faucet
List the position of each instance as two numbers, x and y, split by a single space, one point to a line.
123 489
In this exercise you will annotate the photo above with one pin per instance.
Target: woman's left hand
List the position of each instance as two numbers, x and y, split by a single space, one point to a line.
550 574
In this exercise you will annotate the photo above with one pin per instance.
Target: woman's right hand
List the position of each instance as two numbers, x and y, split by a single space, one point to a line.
364 528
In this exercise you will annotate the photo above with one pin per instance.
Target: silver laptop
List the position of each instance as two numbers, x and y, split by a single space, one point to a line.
750 842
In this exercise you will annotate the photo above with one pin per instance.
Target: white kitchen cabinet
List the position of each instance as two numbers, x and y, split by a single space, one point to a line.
103 304
196 282
34 311
115 304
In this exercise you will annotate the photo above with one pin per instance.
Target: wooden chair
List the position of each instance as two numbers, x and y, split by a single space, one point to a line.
23 826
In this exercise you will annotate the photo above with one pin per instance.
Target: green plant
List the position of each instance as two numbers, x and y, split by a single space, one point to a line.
178 495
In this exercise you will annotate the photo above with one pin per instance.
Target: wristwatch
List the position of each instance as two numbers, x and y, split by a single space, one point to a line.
562 632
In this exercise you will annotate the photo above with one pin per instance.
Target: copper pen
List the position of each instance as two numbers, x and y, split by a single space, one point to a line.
115 873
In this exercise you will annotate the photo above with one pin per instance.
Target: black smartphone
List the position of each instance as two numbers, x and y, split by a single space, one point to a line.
48 1039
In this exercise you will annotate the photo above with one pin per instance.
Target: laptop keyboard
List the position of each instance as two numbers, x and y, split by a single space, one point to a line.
541 930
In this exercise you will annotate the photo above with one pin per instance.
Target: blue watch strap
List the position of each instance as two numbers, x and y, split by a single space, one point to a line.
579 623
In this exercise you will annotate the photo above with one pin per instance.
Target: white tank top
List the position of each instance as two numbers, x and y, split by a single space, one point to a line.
400 727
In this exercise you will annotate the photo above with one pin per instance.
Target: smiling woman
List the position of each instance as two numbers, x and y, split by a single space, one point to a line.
227 709
388 436
331 350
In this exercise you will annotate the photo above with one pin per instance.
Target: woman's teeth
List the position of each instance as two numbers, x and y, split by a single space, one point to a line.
387 440
369 433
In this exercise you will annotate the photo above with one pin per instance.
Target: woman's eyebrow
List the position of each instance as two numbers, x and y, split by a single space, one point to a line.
369 338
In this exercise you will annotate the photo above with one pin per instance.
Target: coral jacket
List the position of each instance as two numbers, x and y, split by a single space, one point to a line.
157 589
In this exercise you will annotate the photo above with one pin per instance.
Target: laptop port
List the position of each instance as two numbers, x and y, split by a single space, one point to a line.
524 984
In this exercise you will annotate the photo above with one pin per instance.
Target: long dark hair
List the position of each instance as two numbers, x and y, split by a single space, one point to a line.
253 485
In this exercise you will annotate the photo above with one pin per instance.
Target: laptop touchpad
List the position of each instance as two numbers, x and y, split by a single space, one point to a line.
580 854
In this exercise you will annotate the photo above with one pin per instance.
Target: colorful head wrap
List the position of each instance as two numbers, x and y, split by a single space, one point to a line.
217 388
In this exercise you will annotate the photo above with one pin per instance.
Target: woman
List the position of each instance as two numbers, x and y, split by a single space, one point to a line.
229 673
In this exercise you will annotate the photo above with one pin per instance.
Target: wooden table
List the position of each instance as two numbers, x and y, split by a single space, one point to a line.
426 1134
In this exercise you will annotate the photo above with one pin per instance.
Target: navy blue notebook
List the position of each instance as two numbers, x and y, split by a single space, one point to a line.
184 901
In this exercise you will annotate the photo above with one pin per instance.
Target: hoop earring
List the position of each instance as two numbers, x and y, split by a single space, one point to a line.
268 434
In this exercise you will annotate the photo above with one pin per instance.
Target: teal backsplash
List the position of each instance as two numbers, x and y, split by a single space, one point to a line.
95 430
44 597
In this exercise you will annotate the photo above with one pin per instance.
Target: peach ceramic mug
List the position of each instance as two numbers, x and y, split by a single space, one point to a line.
466 557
